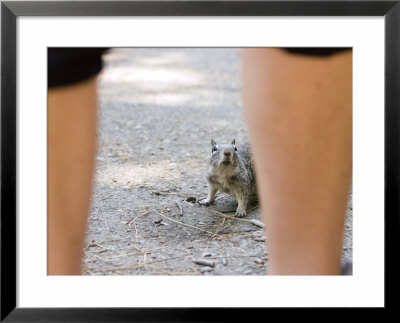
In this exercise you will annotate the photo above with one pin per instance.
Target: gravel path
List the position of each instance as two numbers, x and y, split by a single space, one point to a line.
159 108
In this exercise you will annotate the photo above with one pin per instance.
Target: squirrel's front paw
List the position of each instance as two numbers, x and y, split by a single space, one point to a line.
240 214
205 202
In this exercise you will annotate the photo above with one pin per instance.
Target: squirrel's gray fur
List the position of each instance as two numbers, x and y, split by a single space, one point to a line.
230 170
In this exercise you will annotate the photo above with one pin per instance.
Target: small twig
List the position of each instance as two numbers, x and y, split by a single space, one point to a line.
230 235
137 248
238 256
253 208
133 220
229 216
179 206
220 227
151 230
136 233
146 251
94 244
181 223
234 229
103 250
98 251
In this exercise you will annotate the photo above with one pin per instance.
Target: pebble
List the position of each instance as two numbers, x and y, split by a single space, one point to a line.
204 262
206 254
205 269
191 199
224 261
257 223
258 261
259 239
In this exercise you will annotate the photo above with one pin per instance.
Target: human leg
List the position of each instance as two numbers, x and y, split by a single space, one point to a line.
71 152
298 111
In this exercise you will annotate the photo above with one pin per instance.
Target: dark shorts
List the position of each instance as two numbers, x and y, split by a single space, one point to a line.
72 65
317 51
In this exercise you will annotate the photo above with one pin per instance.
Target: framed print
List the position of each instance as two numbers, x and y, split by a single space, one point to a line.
171 82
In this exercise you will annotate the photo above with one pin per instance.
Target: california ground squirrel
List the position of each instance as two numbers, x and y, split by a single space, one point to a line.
230 170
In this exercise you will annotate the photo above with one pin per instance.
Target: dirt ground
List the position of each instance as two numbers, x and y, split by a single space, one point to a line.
159 108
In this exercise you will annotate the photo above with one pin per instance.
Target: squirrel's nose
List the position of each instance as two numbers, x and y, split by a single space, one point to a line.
227 153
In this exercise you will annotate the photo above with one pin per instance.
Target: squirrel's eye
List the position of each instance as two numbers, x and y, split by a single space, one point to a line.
235 148
214 148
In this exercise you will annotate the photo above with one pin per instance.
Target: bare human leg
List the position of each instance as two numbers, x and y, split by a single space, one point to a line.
298 111
72 144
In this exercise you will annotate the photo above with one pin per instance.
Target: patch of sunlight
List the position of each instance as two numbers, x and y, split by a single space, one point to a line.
222 123
160 99
149 77
134 174
165 59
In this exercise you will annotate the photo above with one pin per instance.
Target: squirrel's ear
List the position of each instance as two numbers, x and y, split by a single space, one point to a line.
233 142
213 143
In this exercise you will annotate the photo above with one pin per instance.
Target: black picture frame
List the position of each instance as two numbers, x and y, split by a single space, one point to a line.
10 11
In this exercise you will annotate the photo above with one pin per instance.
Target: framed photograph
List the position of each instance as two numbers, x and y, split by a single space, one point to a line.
170 83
